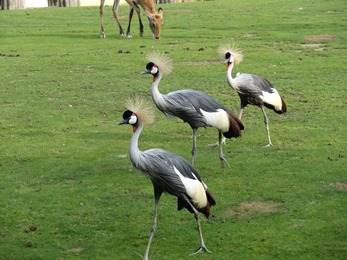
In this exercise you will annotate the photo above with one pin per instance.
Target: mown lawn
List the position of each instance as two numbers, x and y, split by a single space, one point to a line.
68 189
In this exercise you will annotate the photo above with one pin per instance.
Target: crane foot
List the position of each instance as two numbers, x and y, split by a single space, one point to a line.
216 144
223 160
201 249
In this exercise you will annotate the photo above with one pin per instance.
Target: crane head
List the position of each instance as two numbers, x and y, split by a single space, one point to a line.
230 53
137 110
129 118
151 68
158 63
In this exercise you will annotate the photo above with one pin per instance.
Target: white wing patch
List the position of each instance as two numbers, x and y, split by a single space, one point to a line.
195 190
272 99
218 119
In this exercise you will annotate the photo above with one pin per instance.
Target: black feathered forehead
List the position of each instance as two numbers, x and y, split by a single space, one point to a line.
127 114
150 65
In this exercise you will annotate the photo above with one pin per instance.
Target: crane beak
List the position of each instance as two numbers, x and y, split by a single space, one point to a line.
123 122
145 72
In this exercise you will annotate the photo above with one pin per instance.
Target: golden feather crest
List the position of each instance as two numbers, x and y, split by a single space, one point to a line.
162 60
233 50
142 108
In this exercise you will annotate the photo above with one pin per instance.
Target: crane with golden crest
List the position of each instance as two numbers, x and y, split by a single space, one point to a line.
252 89
193 107
168 172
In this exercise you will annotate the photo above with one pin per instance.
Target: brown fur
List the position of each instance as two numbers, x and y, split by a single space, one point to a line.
155 17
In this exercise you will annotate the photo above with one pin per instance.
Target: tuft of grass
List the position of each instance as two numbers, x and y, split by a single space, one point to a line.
68 189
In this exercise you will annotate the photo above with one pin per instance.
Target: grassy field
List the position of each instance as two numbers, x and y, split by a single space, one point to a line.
68 189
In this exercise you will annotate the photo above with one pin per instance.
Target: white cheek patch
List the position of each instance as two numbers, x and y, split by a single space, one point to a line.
154 70
132 120
218 119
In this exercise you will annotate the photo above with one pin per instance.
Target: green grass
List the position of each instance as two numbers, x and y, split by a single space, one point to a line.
67 192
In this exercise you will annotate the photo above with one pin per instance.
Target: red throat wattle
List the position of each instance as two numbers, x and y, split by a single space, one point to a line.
134 128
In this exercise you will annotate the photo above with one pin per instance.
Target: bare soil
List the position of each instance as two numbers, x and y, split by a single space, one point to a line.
248 209
339 185
322 37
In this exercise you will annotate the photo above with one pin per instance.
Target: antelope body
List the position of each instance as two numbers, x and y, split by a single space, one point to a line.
155 18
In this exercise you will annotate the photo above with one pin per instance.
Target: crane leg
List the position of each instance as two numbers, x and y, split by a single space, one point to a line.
194 145
266 121
154 225
221 155
202 247
241 112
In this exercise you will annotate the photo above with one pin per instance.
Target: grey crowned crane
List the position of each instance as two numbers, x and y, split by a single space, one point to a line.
168 172
252 89
193 107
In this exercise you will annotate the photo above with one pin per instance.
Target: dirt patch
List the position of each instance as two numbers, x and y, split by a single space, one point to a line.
251 36
322 37
248 209
76 250
315 46
312 45
339 185
31 228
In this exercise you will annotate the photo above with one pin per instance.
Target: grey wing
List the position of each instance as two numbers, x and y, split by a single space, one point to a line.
253 84
182 104
160 167
187 105
200 100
